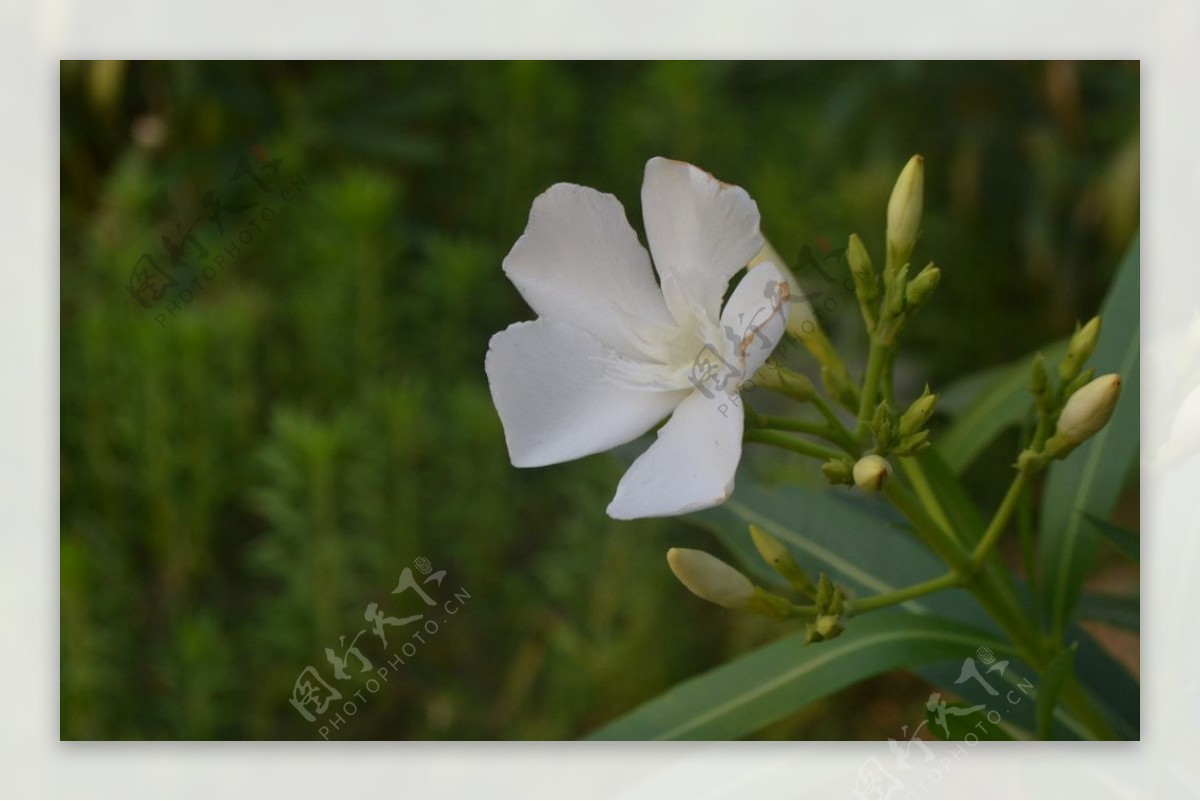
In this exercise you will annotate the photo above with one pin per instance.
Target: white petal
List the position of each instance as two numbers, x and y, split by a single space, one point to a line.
580 262
755 318
700 232
551 385
692 464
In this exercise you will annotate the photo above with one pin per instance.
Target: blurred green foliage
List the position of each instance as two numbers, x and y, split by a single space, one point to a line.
240 478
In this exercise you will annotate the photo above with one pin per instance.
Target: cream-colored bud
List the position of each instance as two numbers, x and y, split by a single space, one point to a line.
710 578
1088 410
904 210
871 473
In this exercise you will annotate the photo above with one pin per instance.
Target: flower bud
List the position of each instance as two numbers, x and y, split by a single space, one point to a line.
1086 412
918 414
828 626
825 627
865 281
883 426
1081 381
1039 380
897 294
837 471
913 443
904 211
825 592
871 473
1083 342
710 578
780 558
920 289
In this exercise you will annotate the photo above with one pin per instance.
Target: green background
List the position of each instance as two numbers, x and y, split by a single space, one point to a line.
242 477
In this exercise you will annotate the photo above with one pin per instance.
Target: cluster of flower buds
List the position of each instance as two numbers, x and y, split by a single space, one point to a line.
824 618
1082 403
830 604
911 434
709 578
902 295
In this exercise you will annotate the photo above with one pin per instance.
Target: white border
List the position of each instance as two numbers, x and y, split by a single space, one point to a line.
33 36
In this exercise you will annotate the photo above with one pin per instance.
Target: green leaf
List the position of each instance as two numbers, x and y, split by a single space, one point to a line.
1129 543
954 722
1089 481
769 684
1119 611
1003 402
1058 672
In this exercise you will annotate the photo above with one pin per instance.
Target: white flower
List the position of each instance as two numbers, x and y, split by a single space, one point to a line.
611 353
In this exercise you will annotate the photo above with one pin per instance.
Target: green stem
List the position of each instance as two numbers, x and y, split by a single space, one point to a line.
1000 520
866 403
1003 608
794 444
1001 605
916 474
845 435
1028 552
889 392
1025 534
1081 705
823 430
905 594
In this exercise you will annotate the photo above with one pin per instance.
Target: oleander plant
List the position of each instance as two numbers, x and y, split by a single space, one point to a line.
687 347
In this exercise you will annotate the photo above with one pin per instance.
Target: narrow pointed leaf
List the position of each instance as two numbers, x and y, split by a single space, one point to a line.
767 685
1090 480
1118 611
1129 543
1058 672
